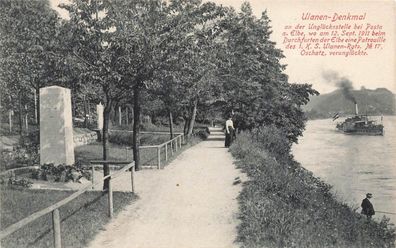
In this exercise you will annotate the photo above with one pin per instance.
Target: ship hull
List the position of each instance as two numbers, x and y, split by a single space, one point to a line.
372 133
373 130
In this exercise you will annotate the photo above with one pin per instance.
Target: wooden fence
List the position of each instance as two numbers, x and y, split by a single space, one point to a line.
54 209
174 144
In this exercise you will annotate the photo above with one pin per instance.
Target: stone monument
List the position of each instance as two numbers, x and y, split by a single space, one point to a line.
56 129
99 113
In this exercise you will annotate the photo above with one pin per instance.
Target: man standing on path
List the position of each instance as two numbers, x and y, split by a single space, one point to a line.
367 207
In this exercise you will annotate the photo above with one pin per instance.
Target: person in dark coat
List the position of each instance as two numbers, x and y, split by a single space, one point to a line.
367 207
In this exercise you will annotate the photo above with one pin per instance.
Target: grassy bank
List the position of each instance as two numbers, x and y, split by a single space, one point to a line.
81 219
284 205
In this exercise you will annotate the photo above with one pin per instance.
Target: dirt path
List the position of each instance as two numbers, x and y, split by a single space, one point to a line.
191 203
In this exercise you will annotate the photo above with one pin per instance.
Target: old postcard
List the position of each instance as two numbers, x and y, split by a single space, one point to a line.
197 124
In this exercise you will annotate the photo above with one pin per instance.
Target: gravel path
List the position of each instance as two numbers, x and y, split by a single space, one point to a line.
190 203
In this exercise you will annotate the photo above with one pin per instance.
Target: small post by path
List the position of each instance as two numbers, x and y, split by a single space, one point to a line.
159 157
93 177
56 227
119 116
132 181
110 195
166 152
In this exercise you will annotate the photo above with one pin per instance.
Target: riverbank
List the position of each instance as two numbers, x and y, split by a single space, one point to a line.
352 164
284 205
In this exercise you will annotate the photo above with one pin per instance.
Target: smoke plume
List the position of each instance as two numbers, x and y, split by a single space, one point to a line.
343 83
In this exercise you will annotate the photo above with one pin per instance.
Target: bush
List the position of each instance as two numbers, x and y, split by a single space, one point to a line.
284 205
61 173
19 182
125 138
25 154
202 133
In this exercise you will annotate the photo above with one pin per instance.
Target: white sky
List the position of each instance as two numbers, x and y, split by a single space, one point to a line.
378 69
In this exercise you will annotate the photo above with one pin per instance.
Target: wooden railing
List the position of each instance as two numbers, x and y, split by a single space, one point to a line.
144 132
174 144
55 207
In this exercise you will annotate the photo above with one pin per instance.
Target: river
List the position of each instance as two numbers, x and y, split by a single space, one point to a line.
352 164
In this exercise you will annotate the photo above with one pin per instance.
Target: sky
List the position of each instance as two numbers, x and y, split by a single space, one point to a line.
376 70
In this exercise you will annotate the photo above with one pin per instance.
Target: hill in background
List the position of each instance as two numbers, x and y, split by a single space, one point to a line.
380 101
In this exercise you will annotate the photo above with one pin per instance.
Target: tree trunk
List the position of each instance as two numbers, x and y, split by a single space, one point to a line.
37 105
170 124
35 108
1 120
136 126
119 116
74 107
85 112
186 124
127 115
132 116
10 112
20 113
89 111
193 115
105 141
26 119
115 116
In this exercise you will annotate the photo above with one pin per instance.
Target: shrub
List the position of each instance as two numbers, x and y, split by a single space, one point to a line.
22 182
61 173
25 154
202 133
125 138
19 182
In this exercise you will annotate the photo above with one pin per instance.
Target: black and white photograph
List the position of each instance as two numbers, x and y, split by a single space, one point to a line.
197 124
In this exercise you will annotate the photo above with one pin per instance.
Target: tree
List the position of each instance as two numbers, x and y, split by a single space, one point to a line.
255 87
28 47
185 54
194 50
138 25
94 44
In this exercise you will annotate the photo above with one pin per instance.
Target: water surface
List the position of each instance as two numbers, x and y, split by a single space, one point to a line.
353 164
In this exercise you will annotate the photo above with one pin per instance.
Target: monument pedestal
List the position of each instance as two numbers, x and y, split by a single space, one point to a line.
56 129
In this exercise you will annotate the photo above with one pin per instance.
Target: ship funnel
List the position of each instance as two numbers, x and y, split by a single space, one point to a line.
356 109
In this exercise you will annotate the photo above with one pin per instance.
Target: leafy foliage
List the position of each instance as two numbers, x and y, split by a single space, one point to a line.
18 182
181 55
255 87
29 50
61 173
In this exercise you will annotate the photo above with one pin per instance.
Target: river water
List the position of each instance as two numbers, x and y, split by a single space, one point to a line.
353 164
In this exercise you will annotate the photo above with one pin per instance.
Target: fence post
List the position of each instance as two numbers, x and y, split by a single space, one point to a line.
159 157
180 140
110 195
56 227
171 147
166 151
132 181
175 140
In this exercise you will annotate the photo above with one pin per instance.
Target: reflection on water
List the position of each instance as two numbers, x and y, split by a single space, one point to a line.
353 164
